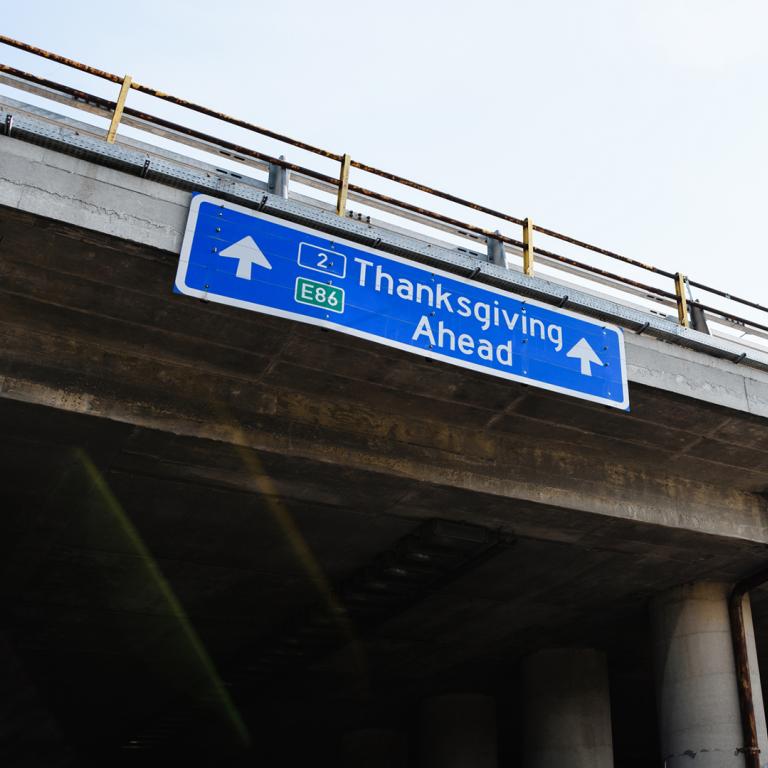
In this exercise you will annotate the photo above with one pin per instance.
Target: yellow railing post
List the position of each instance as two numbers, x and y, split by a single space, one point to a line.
682 303
528 247
341 200
119 106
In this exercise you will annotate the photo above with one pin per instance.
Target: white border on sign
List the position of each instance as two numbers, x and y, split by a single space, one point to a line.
183 288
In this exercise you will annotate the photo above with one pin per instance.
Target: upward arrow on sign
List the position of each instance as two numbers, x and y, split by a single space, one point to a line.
586 356
247 254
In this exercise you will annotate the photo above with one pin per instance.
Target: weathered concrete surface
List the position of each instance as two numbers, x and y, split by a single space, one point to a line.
90 196
567 709
91 327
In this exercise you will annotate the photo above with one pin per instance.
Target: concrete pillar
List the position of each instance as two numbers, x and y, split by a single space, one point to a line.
374 748
698 703
459 731
757 688
567 709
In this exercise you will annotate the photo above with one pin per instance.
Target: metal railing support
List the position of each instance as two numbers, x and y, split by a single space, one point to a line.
119 106
341 200
682 302
528 247
278 180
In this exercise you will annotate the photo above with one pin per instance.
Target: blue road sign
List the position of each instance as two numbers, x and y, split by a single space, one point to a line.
247 259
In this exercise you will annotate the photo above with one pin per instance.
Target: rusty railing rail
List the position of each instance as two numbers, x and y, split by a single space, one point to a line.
116 109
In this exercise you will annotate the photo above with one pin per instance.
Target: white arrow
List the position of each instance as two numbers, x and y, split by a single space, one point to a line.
586 356
247 254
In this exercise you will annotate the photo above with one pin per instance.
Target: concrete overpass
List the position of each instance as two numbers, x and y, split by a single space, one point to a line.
231 537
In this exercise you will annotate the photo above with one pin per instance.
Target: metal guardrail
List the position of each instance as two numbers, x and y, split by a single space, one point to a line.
689 311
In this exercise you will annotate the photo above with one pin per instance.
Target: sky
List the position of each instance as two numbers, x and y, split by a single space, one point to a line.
637 126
